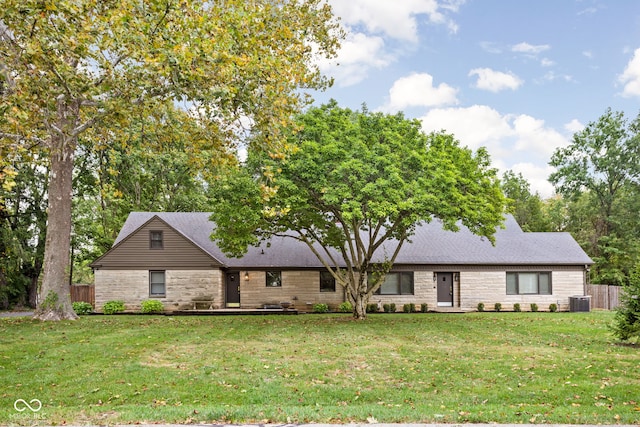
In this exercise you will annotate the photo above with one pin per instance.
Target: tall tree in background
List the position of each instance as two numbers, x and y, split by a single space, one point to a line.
603 165
23 220
354 189
70 66
146 167
527 208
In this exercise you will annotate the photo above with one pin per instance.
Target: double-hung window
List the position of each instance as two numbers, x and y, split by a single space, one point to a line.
156 240
157 284
529 283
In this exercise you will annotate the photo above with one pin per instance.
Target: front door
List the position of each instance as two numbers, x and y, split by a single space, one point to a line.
232 295
445 289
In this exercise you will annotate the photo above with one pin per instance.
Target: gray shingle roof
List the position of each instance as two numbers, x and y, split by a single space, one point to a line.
430 245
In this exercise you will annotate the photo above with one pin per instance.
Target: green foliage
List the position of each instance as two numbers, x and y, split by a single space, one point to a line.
424 307
372 308
81 307
152 306
352 174
497 306
113 307
527 208
320 308
553 307
480 307
23 218
598 174
409 308
79 73
516 307
345 307
626 324
534 307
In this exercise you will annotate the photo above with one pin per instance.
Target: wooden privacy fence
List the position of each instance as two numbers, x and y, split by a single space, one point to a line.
83 293
606 297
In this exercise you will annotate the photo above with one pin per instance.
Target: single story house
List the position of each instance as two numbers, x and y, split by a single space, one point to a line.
169 256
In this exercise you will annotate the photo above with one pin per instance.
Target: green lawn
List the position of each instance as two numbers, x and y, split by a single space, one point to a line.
478 367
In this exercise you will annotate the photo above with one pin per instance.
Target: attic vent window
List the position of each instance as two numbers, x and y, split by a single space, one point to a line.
155 240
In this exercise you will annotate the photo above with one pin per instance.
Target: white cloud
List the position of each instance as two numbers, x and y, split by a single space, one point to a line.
475 126
630 78
574 126
546 62
551 76
533 137
587 54
490 47
417 90
359 53
537 176
495 81
396 19
514 142
529 48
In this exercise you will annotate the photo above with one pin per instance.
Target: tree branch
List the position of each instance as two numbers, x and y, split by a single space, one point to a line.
17 137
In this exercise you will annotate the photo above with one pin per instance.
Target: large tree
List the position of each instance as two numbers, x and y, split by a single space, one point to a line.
601 168
527 208
354 188
72 65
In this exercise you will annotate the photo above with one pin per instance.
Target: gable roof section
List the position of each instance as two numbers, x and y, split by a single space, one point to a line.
430 245
174 221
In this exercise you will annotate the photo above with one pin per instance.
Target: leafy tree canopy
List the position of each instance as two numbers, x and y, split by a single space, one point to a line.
599 173
353 181
73 65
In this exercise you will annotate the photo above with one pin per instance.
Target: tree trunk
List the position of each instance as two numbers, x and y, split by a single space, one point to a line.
55 297
360 298
360 307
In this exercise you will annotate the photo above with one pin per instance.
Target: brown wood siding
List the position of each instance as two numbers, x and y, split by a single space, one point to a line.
177 252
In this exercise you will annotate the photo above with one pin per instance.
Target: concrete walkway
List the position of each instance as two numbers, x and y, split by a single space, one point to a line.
16 313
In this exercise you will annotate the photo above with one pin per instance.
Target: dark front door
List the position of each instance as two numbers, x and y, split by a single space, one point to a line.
445 289
232 295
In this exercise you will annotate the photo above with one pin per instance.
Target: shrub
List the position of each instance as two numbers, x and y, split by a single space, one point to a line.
113 307
409 308
553 307
497 306
424 307
392 307
626 323
372 308
534 307
152 306
480 306
82 308
320 308
516 307
386 308
345 307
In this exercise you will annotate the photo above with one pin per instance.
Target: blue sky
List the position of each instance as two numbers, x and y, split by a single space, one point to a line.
519 77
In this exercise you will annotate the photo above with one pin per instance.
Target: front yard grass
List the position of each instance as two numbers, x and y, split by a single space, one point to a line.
560 368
